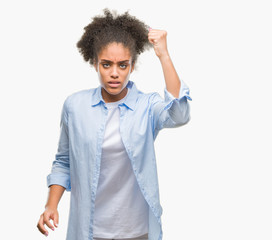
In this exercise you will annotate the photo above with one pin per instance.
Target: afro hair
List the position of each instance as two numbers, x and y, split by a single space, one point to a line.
111 27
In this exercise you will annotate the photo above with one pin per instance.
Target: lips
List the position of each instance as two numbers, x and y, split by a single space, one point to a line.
114 83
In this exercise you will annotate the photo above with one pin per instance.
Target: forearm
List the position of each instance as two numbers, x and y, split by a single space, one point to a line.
54 195
170 75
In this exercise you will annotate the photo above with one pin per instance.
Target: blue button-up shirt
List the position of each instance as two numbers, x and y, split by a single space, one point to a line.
77 163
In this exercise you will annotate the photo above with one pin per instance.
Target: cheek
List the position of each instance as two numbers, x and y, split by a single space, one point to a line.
101 74
124 74
123 77
127 75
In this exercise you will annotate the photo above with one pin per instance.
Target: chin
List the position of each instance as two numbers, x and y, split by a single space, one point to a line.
113 90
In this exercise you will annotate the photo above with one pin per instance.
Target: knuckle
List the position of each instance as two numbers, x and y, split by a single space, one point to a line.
47 223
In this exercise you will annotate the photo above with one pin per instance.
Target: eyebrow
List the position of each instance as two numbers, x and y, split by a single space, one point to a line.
108 61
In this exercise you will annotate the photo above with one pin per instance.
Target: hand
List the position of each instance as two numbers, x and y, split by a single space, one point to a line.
49 213
158 39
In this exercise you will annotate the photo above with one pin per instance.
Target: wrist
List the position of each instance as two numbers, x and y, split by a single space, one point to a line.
164 57
51 206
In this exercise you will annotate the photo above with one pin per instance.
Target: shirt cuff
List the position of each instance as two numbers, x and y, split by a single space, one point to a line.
183 92
59 179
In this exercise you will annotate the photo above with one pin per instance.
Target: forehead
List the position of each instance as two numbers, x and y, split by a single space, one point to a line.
115 52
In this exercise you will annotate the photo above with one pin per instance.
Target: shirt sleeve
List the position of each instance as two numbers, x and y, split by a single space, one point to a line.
60 171
171 112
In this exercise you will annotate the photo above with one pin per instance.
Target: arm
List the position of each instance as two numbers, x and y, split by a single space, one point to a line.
59 178
54 195
174 109
60 172
158 39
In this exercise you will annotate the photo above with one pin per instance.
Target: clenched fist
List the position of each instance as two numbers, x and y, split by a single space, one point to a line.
158 39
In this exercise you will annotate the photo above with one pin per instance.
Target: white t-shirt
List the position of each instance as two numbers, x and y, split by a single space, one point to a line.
120 208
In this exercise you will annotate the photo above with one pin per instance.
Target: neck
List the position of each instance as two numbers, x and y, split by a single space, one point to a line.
113 98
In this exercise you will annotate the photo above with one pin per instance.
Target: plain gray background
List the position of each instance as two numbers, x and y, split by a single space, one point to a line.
214 173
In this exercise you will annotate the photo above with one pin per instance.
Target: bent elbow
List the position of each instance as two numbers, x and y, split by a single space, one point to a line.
181 115
183 121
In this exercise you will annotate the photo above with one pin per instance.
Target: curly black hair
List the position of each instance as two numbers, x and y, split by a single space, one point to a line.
111 27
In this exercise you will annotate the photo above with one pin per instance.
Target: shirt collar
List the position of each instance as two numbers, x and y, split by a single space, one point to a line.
130 99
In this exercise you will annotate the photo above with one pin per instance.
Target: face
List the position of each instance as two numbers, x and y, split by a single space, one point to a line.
114 67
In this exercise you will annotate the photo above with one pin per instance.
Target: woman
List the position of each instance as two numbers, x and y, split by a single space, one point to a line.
106 155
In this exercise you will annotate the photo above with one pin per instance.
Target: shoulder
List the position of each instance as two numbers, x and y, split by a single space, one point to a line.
78 97
146 100
80 94
141 95
149 97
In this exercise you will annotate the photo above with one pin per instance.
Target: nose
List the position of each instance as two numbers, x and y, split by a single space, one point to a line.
114 73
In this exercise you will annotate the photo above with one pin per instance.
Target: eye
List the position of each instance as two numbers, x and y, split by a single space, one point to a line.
105 65
123 66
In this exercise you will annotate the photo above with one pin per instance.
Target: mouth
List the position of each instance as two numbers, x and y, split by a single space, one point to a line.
114 83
